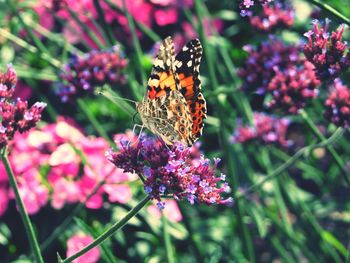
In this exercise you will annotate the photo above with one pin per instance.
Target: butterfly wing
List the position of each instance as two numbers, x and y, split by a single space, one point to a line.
186 66
162 78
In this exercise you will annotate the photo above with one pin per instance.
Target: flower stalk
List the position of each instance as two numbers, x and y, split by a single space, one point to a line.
22 210
110 231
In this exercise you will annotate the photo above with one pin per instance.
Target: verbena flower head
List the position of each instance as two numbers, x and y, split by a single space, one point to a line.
293 88
83 74
338 105
246 6
15 115
264 61
178 172
327 51
265 129
278 14
278 71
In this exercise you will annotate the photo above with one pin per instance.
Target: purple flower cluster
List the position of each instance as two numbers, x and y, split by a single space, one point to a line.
96 68
180 172
338 105
327 51
15 115
264 61
276 15
246 5
266 129
278 70
293 88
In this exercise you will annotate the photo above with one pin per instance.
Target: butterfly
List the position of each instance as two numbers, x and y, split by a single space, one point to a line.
174 107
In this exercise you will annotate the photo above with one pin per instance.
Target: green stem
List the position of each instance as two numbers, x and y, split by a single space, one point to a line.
22 210
95 123
336 135
330 148
330 10
110 231
167 241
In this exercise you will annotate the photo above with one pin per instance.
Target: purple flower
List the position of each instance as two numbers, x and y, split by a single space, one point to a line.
83 74
278 14
327 52
179 172
15 115
264 127
246 5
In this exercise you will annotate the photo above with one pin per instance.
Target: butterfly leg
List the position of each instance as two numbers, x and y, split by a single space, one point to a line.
133 132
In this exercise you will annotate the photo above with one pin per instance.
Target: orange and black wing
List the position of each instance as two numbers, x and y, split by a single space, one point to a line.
162 78
186 65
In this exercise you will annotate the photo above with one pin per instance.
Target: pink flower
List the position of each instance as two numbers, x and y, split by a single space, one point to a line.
77 242
64 191
171 211
338 105
165 17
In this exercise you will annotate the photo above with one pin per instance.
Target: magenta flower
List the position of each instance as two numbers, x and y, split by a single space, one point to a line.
83 74
327 51
76 243
293 88
171 211
338 105
179 172
266 129
276 15
15 115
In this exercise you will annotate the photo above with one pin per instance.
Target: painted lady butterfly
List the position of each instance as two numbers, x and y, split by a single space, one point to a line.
173 106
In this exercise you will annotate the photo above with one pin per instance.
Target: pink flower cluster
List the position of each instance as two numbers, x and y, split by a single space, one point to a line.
152 13
276 70
15 115
58 163
96 68
327 51
338 105
293 88
179 172
77 242
265 129
273 16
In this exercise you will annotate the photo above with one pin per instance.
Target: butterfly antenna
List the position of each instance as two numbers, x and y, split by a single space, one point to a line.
109 94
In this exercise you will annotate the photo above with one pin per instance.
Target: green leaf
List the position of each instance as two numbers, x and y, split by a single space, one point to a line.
333 241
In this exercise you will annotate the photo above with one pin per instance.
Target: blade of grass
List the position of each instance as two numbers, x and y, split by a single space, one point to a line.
136 42
331 10
95 123
106 27
20 42
167 241
330 148
85 28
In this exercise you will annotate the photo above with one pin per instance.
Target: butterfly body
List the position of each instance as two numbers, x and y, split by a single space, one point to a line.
173 107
